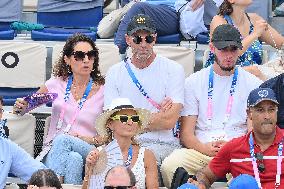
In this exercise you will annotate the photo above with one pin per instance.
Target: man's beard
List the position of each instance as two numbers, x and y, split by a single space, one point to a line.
143 57
223 68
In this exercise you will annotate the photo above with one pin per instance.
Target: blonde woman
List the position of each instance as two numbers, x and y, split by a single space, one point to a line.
123 122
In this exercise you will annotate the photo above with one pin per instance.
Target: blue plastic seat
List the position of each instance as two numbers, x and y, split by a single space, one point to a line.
169 39
61 25
11 94
6 33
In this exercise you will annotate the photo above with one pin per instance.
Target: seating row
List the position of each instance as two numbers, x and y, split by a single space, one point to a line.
23 66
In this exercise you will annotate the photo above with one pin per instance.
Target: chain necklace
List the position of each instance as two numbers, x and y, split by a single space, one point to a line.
77 89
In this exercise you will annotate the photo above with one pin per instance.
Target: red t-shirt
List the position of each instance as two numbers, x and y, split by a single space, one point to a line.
235 158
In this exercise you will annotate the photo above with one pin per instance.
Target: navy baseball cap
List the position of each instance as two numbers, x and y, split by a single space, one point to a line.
226 35
260 94
187 186
141 22
244 181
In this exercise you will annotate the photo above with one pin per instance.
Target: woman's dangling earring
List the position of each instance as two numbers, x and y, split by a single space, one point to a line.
69 69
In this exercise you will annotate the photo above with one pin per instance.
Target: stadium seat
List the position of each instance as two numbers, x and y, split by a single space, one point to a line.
60 25
11 94
6 33
169 39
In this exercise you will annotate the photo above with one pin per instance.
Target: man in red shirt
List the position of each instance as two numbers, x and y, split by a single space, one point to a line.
258 153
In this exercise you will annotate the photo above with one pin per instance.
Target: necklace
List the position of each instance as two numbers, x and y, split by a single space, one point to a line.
79 90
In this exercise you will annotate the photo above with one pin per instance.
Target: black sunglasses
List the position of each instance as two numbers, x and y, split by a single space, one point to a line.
125 118
80 55
117 187
138 39
260 166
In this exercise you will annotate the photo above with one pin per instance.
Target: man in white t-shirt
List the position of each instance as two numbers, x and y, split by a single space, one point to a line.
152 82
215 106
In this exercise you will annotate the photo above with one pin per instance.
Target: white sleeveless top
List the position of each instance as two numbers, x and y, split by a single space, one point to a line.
139 170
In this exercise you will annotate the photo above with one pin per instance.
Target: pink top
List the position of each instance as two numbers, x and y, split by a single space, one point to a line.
85 122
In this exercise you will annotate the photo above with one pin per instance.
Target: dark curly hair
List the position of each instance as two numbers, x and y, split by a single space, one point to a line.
45 177
61 69
225 8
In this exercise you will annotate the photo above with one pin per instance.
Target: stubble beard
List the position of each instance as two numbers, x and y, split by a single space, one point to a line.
223 68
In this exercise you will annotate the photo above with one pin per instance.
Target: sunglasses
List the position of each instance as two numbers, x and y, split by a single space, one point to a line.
117 187
80 55
138 39
125 118
260 166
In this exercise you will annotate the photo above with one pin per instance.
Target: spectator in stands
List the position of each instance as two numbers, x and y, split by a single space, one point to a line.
44 178
79 84
209 121
120 176
277 85
162 12
254 31
123 122
258 153
67 5
14 159
152 82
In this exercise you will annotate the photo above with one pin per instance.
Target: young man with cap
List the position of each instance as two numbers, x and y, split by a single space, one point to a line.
214 108
152 82
258 153
277 85
14 159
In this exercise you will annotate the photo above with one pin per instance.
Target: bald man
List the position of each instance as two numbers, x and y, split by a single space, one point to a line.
120 176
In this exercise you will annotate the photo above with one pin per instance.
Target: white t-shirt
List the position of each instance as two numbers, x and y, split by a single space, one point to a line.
196 100
162 78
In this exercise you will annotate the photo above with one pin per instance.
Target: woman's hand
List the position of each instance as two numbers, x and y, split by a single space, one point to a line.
97 140
19 106
260 26
92 159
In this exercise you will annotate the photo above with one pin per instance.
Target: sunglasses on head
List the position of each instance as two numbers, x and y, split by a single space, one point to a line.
260 166
138 39
80 55
125 118
117 187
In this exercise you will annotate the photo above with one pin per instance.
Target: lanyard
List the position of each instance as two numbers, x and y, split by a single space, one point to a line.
129 156
2 128
140 87
254 164
80 104
210 95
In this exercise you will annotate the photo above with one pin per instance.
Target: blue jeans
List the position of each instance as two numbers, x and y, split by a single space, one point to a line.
165 19
67 156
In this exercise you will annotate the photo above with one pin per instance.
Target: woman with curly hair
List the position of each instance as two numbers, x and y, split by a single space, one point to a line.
44 178
253 29
79 85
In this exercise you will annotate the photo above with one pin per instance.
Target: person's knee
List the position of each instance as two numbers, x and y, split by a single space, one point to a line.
60 139
76 159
